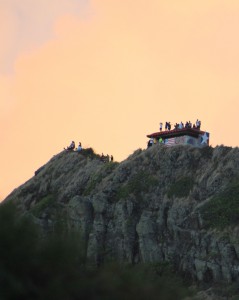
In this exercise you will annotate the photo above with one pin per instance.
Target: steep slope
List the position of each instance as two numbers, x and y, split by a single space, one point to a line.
178 204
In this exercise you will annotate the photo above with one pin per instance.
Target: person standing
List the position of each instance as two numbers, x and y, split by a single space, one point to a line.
160 126
198 124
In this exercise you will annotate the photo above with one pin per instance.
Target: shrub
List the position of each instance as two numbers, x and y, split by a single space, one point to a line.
33 267
109 167
96 178
89 152
141 182
144 281
223 209
46 202
92 183
207 152
181 188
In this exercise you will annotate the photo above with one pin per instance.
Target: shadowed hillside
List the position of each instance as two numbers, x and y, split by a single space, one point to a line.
177 205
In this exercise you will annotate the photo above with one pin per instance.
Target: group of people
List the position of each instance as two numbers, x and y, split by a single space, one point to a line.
106 158
181 125
152 141
72 147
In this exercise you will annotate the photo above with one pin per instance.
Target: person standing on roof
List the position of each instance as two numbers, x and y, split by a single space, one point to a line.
160 126
198 124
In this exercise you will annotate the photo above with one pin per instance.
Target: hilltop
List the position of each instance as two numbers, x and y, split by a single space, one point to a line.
178 204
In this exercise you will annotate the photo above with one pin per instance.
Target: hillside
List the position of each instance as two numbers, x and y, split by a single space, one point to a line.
178 204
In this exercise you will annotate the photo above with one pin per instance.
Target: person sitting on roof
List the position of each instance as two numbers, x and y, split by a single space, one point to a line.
71 147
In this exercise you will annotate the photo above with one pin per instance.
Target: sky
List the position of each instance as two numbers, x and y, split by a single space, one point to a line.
106 72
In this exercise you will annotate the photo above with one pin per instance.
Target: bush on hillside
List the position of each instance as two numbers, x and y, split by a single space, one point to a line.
222 210
139 183
54 267
181 188
89 152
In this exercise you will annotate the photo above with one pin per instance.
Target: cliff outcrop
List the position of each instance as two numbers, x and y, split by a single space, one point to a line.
178 204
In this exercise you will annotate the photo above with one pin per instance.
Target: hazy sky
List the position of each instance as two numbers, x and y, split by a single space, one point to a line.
106 72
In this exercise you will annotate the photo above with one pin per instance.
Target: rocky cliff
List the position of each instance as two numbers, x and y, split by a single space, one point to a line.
178 204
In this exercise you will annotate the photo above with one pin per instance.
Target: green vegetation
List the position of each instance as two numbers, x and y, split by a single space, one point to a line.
54 267
46 202
92 183
89 152
141 182
54 210
222 210
181 188
109 167
96 178
227 290
207 152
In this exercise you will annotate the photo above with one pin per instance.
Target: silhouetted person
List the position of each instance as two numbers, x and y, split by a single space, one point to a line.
79 148
71 147
150 143
198 124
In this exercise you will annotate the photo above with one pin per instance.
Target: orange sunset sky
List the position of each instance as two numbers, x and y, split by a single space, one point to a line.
106 72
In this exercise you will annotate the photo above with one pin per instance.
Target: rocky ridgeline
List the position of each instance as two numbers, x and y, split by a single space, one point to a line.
178 204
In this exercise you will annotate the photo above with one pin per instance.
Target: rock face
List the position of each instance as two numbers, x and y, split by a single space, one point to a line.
178 204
